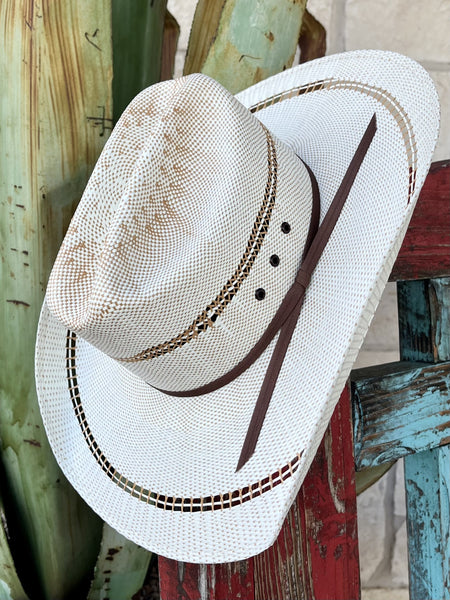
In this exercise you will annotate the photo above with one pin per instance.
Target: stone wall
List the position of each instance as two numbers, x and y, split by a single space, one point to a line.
421 31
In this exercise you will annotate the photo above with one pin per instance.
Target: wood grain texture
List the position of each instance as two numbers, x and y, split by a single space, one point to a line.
399 409
425 251
239 43
427 482
415 338
169 46
315 556
187 581
424 319
313 38
423 313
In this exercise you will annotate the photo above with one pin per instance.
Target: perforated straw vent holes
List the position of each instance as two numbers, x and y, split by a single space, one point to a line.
274 260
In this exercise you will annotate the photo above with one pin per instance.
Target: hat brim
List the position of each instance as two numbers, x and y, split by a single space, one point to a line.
161 470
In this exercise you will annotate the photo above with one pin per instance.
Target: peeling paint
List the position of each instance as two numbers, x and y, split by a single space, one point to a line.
402 410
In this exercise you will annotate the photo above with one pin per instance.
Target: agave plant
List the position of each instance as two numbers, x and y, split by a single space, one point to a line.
57 63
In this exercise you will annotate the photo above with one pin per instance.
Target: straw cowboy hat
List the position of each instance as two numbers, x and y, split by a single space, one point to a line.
214 288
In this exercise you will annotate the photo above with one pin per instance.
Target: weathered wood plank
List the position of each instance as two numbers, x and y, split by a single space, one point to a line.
177 580
425 251
330 511
424 319
169 46
240 43
423 313
440 317
316 553
186 581
313 38
427 481
415 337
398 409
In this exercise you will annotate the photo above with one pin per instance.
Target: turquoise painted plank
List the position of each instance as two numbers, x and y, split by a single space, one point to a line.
414 321
424 315
427 485
440 317
425 330
398 409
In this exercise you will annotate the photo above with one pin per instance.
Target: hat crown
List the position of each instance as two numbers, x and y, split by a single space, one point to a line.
176 232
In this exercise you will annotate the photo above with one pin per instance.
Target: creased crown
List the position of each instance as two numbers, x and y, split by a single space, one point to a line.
175 232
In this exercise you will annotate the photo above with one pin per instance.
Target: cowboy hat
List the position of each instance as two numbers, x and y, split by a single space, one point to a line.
214 288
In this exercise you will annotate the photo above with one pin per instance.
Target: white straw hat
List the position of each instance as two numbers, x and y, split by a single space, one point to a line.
162 328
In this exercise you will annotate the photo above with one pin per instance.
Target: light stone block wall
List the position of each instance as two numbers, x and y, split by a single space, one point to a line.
420 30
416 28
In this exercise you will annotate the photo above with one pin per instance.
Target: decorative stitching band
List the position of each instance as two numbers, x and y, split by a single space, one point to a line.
382 96
162 501
216 307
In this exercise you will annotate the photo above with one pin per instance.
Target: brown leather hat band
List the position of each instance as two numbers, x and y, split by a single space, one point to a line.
286 307
285 319
303 277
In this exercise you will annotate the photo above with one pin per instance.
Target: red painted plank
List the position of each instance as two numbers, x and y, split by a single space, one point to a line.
232 580
316 553
185 581
425 252
178 581
329 497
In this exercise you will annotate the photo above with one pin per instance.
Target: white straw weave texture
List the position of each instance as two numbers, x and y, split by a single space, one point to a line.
161 470
169 226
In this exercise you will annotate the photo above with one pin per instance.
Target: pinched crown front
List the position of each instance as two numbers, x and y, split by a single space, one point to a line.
188 236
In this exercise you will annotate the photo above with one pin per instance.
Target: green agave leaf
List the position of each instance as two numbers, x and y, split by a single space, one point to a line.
137 29
240 43
55 66
121 568
10 586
